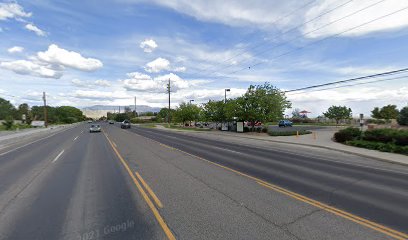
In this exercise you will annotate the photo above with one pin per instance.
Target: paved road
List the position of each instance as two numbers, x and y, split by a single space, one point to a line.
137 184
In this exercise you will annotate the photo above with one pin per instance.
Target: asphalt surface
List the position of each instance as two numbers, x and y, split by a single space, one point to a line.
78 185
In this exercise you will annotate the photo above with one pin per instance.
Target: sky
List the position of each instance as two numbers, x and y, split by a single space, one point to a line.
84 53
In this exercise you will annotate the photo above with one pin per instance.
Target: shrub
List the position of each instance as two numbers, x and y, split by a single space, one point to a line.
380 135
8 123
401 138
383 147
376 121
246 129
347 134
264 129
288 133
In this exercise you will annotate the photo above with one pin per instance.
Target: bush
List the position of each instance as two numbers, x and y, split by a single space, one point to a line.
246 129
8 123
376 121
380 135
401 138
347 134
402 118
288 133
383 147
264 129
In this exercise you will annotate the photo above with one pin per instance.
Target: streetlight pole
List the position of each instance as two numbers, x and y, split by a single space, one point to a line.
192 100
168 113
225 94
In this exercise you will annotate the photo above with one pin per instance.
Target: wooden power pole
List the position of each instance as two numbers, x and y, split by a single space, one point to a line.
45 110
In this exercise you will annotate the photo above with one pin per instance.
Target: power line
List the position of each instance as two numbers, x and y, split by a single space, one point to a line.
351 79
274 22
351 85
290 30
323 39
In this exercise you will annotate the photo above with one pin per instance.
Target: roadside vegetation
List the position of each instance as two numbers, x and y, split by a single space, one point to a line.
288 133
385 140
21 117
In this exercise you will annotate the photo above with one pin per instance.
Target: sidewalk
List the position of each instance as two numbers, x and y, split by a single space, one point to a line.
320 138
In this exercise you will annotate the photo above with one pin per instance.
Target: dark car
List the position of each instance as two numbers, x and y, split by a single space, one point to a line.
285 123
111 122
125 124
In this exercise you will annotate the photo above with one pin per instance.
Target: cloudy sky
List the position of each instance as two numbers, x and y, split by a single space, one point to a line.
84 53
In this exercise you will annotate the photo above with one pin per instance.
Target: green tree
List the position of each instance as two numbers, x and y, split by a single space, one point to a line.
389 112
163 114
186 112
214 111
7 109
8 122
262 102
24 109
402 118
68 114
338 113
375 113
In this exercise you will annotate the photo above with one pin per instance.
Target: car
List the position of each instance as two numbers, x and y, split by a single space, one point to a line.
125 124
285 123
95 128
111 122
89 121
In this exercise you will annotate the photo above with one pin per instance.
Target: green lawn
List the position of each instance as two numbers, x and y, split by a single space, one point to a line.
186 128
19 126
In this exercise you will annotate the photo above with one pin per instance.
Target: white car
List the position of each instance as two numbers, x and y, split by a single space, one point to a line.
95 128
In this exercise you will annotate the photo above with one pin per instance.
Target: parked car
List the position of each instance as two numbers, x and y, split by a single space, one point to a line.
125 124
95 128
89 121
285 123
111 122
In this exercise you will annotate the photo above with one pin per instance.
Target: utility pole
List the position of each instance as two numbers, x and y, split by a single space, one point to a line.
119 108
225 94
168 91
45 110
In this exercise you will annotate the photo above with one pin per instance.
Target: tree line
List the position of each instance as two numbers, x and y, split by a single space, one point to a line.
55 115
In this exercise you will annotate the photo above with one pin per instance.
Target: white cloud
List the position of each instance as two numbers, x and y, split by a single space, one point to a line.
157 65
31 27
12 11
269 14
25 67
142 82
102 83
79 83
15 49
148 45
56 55
180 69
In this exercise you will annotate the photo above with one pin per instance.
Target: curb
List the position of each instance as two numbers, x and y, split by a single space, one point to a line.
308 145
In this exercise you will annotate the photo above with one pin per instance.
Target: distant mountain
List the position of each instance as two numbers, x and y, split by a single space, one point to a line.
97 111
139 108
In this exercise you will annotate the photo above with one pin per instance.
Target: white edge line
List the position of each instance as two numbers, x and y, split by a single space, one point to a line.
75 138
59 155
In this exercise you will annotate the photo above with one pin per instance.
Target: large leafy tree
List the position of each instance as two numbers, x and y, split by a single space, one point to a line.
386 112
262 102
164 114
187 112
7 109
214 111
338 113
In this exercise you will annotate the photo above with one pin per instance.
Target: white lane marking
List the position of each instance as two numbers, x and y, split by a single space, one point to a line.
114 144
228 150
1 154
59 155
75 138
82 131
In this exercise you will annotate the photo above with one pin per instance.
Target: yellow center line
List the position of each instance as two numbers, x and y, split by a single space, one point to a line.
149 190
156 213
362 221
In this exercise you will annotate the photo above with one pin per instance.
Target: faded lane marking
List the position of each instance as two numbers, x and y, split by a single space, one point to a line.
59 155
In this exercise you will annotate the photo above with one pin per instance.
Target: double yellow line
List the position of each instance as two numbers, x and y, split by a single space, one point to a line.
149 202
362 221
